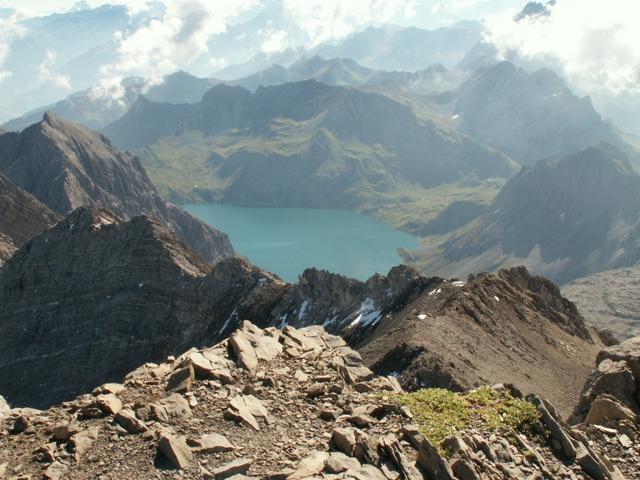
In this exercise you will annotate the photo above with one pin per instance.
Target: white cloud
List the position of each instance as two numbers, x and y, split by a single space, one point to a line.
10 28
46 75
457 5
276 41
326 20
596 43
170 43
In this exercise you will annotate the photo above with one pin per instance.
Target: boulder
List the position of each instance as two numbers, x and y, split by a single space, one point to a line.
607 408
181 380
610 377
552 423
176 450
338 462
56 471
127 419
245 408
430 460
628 351
311 465
4 407
109 403
211 443
237 467
81 442
344 440
392 449
65 431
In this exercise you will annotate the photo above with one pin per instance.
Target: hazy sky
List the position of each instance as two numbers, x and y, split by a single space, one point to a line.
426 13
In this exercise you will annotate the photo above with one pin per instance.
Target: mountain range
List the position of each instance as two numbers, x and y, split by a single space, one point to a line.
528 116
66 166
340 147
96 111
564 218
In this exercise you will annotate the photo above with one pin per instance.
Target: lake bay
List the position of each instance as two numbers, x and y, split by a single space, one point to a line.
285 241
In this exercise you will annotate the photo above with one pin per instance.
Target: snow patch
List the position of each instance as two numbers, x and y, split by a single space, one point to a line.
233 315
422 316
458 283
303 309
496 298
367 314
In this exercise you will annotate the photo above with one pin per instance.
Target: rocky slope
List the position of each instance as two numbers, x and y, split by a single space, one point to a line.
66 166
609 300
299 404
564 218
86 301
21 217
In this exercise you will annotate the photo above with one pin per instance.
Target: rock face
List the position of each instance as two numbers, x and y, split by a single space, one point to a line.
67 166
99 296
563 218
300 436
21 217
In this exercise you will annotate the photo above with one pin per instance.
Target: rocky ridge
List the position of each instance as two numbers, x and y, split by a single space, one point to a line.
67 166
292 404
21 217
100 295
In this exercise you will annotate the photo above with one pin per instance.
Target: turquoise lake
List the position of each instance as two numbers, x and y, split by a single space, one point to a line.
288 240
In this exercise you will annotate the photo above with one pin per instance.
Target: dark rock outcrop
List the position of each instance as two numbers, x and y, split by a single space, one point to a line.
612 391
85 301
21 217
67 166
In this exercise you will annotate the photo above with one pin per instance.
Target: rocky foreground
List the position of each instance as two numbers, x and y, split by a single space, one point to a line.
299 404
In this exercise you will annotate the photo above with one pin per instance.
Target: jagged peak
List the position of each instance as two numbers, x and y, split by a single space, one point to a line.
88 218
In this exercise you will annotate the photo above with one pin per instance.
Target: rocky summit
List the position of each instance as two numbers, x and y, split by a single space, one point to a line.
84 169
299 404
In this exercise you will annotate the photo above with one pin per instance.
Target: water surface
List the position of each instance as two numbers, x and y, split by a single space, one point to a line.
288 240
